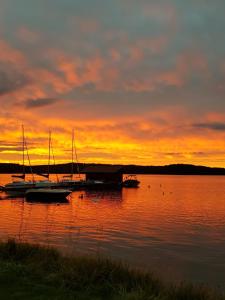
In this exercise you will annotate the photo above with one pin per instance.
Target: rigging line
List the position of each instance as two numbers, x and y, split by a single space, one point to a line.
72 152
23 149
75 151
53 156
49 152
28 157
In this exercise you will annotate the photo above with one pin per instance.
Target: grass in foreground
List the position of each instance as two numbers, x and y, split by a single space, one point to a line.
34 272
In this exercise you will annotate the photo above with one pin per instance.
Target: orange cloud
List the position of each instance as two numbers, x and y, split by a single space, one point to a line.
10 55
142 142
146 142
158 135
28 36
177 76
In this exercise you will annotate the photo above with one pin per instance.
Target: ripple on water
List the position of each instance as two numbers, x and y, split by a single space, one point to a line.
177 225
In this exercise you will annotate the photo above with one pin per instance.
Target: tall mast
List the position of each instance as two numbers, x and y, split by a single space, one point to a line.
72 154
78 169
28 157
49 152
23 146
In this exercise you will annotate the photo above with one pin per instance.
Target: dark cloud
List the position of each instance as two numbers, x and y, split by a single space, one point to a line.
40 102
211 125
14 149
11 79
194 153
8 144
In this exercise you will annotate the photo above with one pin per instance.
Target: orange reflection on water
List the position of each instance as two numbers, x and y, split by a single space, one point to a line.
171 223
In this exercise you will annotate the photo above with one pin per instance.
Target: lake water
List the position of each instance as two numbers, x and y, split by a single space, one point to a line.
173 225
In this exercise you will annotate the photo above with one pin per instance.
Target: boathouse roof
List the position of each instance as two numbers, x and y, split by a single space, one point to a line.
102 169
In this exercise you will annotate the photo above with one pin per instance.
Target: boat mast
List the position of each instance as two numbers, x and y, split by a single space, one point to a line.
28 157
78 169
49 153
23 146
53 157
72 170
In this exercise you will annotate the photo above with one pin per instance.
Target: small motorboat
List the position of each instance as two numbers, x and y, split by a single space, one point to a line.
131 181
46 194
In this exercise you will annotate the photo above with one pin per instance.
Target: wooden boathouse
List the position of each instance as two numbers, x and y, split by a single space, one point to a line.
106 173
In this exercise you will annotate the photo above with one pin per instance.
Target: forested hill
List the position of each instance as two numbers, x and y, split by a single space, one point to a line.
176 169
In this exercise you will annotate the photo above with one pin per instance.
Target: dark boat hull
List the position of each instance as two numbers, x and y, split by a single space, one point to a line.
18 188
46 196
132 183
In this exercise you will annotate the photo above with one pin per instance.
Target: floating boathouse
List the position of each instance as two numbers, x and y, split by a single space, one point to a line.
106 173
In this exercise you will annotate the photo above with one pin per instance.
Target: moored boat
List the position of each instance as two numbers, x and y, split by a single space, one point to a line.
18 186
131 181
68 180
44 184
47 183
46 194
21 184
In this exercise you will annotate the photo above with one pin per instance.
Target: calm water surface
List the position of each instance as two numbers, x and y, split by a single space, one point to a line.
173 225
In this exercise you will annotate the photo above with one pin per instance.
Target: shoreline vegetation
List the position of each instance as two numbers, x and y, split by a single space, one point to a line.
36 272
174 169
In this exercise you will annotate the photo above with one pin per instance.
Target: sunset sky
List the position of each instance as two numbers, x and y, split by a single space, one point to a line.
140 81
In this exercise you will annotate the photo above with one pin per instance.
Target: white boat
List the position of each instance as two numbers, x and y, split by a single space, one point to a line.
20 185
46 194
68 180
46 183
131 181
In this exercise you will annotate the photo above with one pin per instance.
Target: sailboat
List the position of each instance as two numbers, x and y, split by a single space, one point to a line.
45 190
68 180
21 185
46 183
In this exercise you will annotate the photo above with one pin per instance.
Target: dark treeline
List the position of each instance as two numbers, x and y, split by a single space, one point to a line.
176 169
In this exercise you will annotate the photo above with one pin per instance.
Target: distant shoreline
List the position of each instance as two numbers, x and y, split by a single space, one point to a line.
174 169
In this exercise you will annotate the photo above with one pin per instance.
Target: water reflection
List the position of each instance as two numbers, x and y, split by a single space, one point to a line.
11 195
172 224
108 196
48 201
